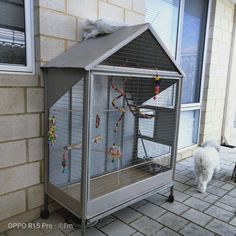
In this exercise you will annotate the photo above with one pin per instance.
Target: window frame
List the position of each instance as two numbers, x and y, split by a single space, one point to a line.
195 106
198 105
29 38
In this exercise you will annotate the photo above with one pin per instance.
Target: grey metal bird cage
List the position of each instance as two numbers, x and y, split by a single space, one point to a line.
113 104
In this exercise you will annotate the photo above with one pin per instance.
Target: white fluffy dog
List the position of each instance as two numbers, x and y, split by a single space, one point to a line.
206 161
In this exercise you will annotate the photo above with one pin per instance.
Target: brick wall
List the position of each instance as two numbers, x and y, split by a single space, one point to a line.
21 145
66 17
220 35
21 100
57 25
230 105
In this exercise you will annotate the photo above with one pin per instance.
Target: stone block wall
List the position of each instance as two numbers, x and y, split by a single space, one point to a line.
228 131
217 68
57 25
57 28
21 146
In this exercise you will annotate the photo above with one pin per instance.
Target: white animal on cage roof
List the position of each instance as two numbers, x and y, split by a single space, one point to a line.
99 27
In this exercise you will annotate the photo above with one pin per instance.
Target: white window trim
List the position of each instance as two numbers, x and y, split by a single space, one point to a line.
191 107
29 32
194 106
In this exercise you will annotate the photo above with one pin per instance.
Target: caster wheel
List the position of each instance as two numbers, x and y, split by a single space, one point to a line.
171 198
77 222
67 217
44 214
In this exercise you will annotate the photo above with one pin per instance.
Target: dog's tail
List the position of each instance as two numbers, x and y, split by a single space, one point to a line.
198 156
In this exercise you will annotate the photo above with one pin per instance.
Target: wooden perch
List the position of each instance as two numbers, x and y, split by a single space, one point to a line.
73 146
97 139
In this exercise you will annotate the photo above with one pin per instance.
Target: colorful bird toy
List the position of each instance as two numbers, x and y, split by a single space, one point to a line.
115 152
157 86
119 109
64 161
97 121
52 130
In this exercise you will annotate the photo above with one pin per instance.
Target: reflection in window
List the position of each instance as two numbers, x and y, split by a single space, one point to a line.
163 16
188 128
12 32
195 13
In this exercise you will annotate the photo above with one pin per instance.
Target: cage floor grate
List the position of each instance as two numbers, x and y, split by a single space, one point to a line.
108 183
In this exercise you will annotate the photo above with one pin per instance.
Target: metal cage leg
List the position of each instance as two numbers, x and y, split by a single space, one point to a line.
45 212
83 228
171 196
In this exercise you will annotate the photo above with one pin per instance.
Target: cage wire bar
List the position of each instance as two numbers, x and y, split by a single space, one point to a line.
137 135
101 107
125 144
86 151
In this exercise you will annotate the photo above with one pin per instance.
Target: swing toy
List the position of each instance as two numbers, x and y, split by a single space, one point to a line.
133 108
52 130
119 109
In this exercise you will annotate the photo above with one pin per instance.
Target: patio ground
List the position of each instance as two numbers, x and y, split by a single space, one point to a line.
192 213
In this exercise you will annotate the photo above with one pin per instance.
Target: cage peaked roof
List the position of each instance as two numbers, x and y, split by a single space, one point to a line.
131 46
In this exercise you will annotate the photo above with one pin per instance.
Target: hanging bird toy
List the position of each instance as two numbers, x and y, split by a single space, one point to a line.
120 109
97 121
52 130
115 152
157 86
64 160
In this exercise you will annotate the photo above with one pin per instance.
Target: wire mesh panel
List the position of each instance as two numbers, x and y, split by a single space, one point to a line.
65 153
59 111
143 52
132 131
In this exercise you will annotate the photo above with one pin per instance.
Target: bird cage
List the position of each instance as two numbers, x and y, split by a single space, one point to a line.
113 105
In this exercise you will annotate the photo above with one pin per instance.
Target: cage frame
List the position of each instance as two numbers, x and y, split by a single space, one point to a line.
84 209
88 96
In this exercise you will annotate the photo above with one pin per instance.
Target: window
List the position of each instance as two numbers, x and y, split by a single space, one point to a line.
192 47
163 15
16 35
188 128
181 24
